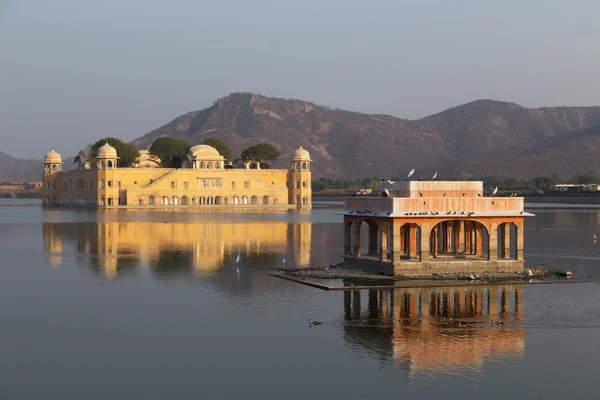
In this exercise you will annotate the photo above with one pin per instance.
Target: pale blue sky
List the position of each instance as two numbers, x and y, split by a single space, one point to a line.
73 71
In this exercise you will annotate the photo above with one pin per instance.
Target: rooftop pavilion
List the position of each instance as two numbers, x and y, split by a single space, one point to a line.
424 227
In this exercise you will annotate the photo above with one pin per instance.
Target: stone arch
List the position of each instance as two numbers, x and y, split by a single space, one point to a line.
244 199
265 199
54 168
458 239
410 241
175 200
218 200
235 200
365 245
151 200
141 202
165 201
253 200
185 201
303 166
109 164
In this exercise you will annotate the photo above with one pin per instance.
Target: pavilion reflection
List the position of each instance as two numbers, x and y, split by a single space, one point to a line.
413 328
168 248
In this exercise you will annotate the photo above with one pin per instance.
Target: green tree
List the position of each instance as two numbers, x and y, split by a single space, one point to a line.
221 147
127 152
543 182
170 151
260 153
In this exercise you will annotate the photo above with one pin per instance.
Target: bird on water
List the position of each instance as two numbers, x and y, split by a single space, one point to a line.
311 322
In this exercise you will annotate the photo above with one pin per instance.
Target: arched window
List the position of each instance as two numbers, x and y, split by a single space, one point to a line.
109 164
141 202
275 201
165 201
265 199
54 169
303 166
253 200
202 165
218 200
244 199
235 200
185 201
175 200
151 201
209 165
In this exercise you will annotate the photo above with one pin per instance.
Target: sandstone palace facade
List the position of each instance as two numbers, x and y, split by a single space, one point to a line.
203 181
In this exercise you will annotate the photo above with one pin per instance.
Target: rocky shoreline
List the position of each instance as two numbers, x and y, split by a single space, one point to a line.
341 272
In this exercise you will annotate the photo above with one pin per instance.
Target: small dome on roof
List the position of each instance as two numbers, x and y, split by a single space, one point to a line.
107 151
52 157
204 151
301 154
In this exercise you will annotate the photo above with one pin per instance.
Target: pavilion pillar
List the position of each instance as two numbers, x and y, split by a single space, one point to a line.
397 243
479 239
520 240
493 238
468 237
455 234
348 238
413 241
434 241
384 241
448 236
425 235
356 244
461 236
507 241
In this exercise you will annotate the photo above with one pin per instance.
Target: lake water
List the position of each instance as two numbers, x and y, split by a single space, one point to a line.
150 305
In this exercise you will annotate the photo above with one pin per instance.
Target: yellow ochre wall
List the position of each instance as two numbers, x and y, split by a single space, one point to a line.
125 187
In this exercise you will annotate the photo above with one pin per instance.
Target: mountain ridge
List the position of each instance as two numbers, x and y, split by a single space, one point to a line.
483 137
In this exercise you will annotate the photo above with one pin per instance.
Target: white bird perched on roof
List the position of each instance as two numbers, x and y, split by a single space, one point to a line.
387 193
390 182
495 191
412 171
434 176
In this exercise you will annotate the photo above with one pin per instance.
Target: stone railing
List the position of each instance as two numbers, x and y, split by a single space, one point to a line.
439 205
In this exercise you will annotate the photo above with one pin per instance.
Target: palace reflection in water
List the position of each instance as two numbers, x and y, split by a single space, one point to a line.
437 330
201 248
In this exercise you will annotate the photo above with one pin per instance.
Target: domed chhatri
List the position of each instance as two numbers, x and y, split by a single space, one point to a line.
203 156
52 157
106 151
301 155
197 179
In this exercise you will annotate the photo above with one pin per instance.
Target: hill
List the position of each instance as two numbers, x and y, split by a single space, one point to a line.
19 170
480 138
484 137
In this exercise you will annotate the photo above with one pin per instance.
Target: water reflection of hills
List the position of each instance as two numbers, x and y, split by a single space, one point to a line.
170 248
411 327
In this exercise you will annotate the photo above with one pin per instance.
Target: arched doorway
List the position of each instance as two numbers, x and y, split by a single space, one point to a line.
507 241
459 239
410 242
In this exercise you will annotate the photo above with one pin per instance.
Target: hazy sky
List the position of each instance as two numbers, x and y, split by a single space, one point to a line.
74 71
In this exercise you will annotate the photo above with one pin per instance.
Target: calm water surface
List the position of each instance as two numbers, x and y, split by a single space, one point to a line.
134 304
